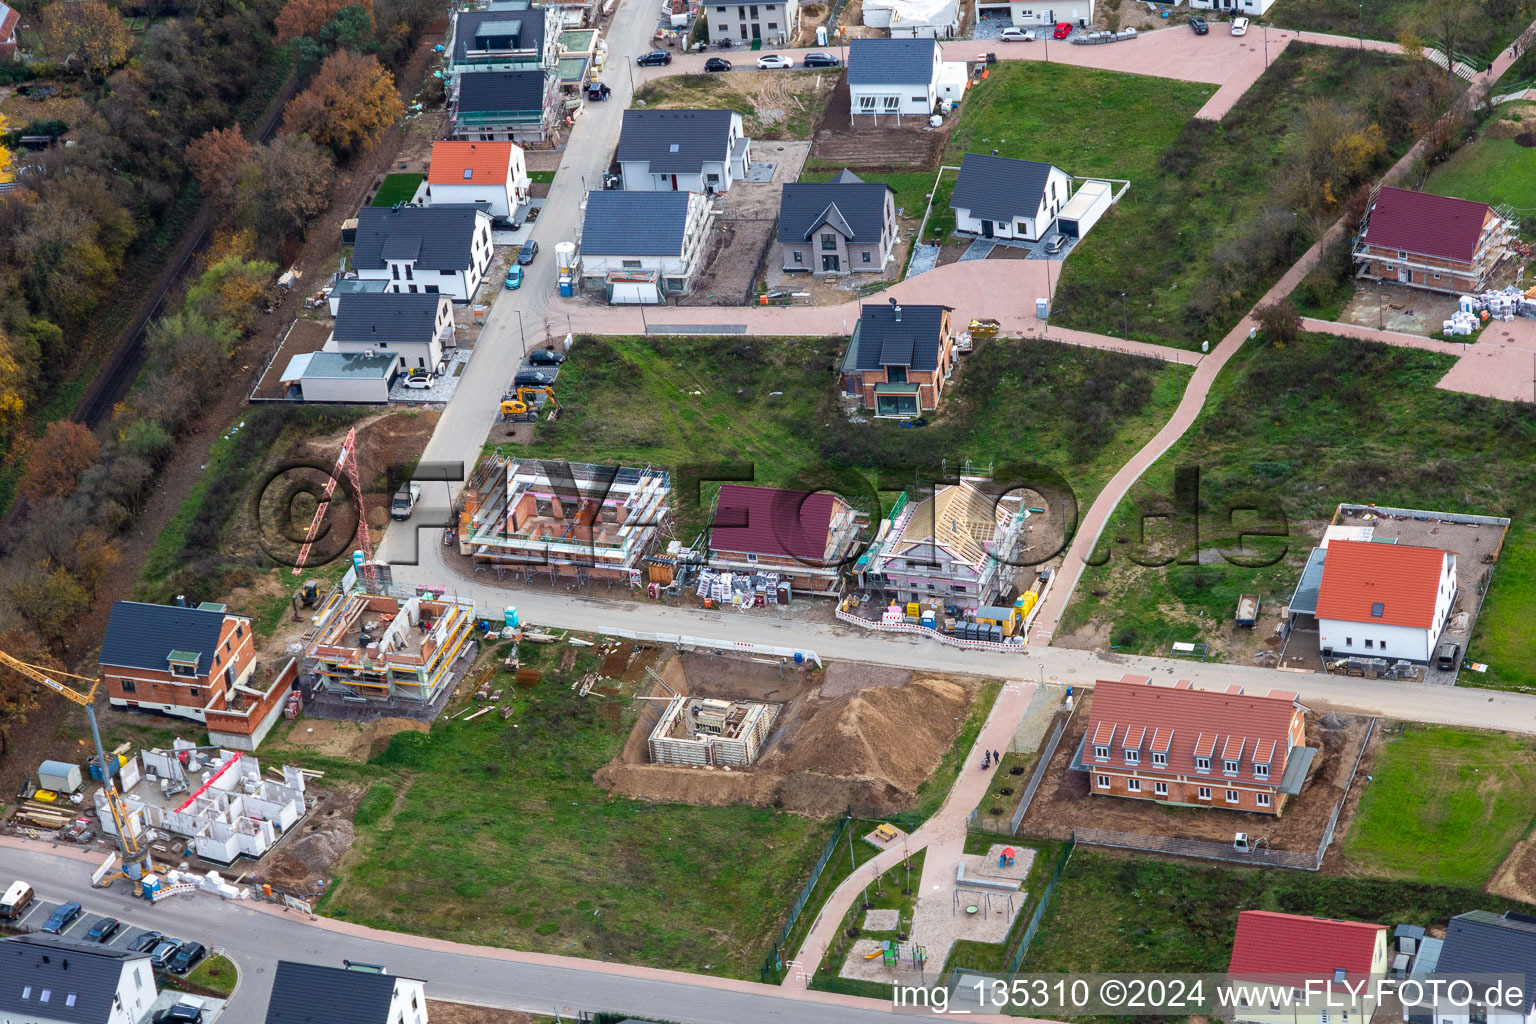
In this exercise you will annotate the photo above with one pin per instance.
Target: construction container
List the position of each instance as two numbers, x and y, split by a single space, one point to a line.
913 609
59 776
116 762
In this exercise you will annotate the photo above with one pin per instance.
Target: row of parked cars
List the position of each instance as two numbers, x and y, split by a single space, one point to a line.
767 62
165 953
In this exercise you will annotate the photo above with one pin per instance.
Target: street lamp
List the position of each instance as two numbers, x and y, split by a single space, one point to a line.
1125 312
521 337
602 945
1265 27
1360 23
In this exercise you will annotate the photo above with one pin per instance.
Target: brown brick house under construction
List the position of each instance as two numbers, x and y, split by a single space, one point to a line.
1432 242
1205 748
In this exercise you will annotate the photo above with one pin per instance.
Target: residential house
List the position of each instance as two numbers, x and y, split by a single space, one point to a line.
196 663
1042 13
1482 943
1432 242
45 979
682 150
413 327
954 548
639 247
774 22
845 225
914 19
894 76
408 654
1384 600
996 197
355 994
494 173
498 39
9 19
899 358
805 536
1329 964
1247 8
1203 748
512 106
424 249
567 520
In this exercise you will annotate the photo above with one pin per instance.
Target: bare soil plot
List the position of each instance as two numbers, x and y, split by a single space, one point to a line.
744 237
871 143
869 743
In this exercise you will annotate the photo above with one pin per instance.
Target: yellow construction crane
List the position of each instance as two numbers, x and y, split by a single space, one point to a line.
136 862
521 405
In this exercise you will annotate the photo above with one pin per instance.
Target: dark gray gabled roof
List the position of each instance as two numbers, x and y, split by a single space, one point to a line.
1480 942
388 317
880 340
529 25
891 61
86 974
675 141
854 207
437 237
482 92
635 223
143 635
312 994
1000 189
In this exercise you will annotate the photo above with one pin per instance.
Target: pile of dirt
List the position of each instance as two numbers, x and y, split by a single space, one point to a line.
308 854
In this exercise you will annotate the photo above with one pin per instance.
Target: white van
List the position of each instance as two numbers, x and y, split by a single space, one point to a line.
16 900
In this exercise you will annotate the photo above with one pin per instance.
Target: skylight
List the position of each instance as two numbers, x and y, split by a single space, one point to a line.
672 148
469 172
1378 609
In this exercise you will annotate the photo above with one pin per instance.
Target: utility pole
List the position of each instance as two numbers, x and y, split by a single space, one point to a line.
602 945
1125 311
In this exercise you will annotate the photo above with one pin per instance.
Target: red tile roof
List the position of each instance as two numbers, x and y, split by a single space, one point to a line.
9 16
1426 225
768 521
1191 718
1358 575
1312 947
486 162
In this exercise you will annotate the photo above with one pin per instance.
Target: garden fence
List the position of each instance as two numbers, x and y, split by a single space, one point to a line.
1039 914
771 965
1041 764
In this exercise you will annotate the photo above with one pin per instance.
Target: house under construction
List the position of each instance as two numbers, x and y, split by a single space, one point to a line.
383 648
570 520
708 731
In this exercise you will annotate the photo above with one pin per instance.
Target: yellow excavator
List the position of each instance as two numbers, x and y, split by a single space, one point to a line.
520 407
136 863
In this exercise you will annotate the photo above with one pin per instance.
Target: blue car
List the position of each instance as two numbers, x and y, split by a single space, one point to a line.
514 277
60 918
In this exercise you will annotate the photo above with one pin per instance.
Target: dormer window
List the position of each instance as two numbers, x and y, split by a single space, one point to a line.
1229 767
1202 764
1132 756
1261 771
1100 753
183 663
1159 759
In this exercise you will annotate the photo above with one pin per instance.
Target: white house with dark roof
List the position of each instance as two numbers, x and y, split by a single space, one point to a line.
894 76
845 225
996 197
503 40
356 994
45 979
434 250
774 21
682 150
1036 13
1250 8
506 106
639 247
1480 942
412 327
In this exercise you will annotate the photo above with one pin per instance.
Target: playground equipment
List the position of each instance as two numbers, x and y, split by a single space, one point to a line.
1005 859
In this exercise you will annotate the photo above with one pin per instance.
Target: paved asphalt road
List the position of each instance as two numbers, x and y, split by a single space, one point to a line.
256 940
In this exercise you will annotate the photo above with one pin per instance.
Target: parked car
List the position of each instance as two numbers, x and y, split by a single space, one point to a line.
526 254
1014 34
514 277
103 929
534 378
1448 656
145 942
1057 243
717 64
60 918
1239 26
820 60
1063 29
774 62
654 59
181 1013
1198 24
422 381
187 957
598 91
546 357
163 951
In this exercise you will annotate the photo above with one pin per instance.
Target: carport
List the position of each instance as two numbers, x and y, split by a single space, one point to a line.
1085 208
634 287
349 377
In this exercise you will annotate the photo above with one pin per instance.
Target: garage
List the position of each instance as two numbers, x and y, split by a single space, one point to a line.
1085 208
630 288
350 377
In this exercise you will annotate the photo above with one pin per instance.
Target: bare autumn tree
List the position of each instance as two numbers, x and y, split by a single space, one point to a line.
284 184
1279 321
1455 26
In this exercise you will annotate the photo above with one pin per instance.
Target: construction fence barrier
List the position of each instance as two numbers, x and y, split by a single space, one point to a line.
701 643
921 630
1203 849
773 964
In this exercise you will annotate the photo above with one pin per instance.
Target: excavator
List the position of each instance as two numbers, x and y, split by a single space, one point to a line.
521 408
135 859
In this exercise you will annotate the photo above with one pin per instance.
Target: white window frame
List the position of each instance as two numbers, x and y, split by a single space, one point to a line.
1159 789
1260 771
1233 797
1133 785
1203 793
1132 755
1202 764
1262 799
1100 753
1103 781
1159 759
1228 766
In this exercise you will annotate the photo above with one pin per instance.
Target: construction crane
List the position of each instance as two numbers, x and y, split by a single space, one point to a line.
136 862
520 407
347 460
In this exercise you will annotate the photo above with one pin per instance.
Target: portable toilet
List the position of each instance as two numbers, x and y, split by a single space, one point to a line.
821 35
510 614
567 286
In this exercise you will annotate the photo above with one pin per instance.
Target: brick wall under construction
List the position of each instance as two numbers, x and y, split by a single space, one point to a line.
675 741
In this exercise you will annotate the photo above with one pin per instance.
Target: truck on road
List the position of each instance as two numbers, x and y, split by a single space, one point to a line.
404 502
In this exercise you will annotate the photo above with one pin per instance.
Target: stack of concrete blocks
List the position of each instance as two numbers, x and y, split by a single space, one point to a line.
210 881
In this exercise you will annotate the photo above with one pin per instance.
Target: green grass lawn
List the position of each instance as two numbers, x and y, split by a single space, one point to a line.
1490 170
1444 806
1115 913
541 177
397 188
1323 421
215 976
772 403
494 833
891 892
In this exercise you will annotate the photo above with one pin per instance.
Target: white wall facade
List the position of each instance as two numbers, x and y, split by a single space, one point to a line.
712 175
459 285
1244 7
1024 228
136 994
1035 13
1408 642
408 1003
916 99
676 272
774 23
